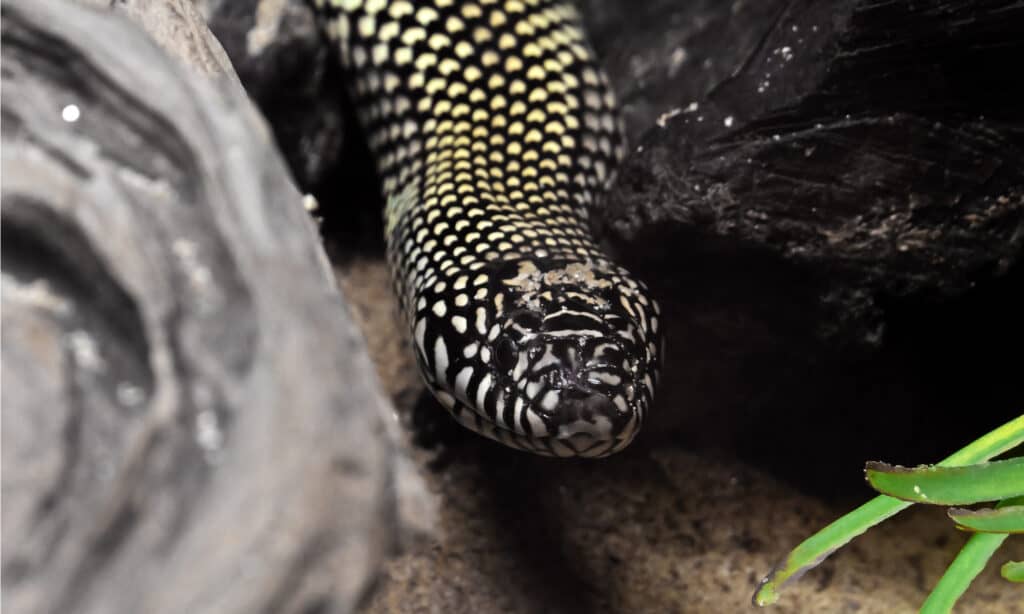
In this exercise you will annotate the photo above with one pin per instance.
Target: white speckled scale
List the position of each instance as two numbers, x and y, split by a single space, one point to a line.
493 129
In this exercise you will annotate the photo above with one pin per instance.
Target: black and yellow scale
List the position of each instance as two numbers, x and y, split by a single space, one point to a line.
493 131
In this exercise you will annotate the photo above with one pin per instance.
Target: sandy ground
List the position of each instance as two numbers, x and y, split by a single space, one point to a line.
655 529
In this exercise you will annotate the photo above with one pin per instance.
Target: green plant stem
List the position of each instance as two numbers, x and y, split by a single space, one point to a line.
969 562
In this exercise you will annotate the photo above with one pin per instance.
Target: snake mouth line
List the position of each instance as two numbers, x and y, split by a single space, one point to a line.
576 444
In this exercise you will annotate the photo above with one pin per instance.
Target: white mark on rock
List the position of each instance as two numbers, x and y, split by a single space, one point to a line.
128 394
70 113
209 435
83 348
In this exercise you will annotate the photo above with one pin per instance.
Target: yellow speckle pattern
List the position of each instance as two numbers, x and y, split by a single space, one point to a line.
494 131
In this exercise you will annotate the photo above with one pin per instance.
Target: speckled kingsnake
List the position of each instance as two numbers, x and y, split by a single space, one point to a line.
493 129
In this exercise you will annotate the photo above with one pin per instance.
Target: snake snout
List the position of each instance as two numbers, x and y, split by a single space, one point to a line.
592 413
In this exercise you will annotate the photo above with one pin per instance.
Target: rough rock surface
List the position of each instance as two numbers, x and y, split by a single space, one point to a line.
276 47
292 74
190 422
872 144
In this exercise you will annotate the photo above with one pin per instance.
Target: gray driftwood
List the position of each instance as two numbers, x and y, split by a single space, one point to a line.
190 423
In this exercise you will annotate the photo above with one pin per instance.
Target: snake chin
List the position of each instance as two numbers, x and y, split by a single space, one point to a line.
559 397
567 443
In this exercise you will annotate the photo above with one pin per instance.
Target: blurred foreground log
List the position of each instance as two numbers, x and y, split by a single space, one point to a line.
190 423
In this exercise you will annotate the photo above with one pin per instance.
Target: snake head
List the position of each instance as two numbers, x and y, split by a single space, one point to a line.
563 362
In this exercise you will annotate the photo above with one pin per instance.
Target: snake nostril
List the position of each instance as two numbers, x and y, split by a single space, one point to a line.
506 353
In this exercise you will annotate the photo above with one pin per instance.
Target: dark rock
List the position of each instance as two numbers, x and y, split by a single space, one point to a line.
670 53
872 144
190 423
277 48
291 72
829 200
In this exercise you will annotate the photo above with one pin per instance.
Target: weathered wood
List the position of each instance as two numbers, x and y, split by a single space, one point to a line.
190 423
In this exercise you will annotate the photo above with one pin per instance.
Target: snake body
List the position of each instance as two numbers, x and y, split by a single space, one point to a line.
493 131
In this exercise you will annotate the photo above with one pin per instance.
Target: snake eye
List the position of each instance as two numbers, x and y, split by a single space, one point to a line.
506 353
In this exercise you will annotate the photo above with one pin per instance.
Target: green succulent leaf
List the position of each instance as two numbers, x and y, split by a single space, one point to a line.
1006 519
950 485
1013 571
